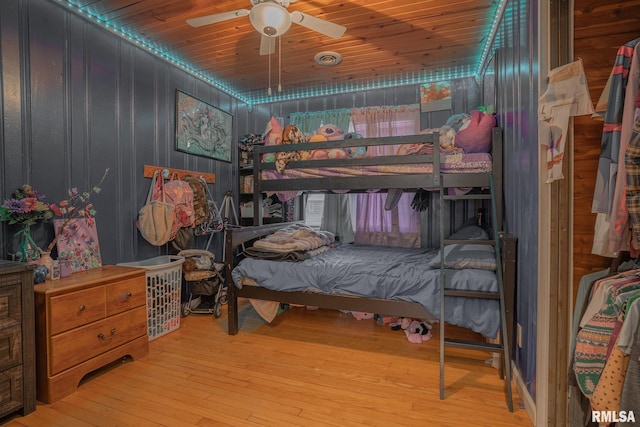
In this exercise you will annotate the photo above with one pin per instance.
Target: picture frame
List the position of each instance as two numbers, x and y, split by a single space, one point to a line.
202 129
435 96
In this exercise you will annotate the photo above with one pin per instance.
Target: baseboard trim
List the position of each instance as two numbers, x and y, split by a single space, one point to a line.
521 389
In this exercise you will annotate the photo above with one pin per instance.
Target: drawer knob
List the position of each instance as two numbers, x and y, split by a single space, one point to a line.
83 307
105 338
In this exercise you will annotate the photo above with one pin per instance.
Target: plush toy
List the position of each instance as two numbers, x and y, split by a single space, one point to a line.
317 138
290 135
361 315
331 132
401 323
458 121
356 152
315 154
418 332
447 137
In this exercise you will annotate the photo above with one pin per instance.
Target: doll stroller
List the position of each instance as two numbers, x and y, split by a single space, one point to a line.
203 289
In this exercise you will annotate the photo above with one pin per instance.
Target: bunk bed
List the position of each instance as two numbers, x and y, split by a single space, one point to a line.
430 168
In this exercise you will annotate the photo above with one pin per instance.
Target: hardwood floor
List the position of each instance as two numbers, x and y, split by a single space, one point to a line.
308 368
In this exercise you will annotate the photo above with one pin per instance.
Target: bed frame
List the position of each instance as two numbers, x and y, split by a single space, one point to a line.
235 237
383 182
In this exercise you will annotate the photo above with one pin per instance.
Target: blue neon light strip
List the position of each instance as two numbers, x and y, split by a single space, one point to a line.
262 97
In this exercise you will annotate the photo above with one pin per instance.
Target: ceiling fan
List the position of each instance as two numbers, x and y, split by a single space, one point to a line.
271 19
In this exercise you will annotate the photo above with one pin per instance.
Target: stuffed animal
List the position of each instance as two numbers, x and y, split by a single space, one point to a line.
316 154
331 132
447 137
356 152
401 323
418 332
458 121
290 135
361 315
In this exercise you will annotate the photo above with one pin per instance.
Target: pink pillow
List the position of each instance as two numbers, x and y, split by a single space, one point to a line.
272 136
476 138
273 132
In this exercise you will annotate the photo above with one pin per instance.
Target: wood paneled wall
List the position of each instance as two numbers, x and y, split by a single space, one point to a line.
601 27
77 99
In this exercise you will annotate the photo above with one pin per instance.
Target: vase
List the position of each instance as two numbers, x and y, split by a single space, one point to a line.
47 261
22 247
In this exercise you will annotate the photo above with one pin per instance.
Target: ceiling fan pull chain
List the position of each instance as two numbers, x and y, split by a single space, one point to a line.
269 89
279 64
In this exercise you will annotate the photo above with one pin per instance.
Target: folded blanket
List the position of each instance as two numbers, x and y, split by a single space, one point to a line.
262 253
294 238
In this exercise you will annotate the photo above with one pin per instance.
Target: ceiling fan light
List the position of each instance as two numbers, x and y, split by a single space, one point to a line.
270 19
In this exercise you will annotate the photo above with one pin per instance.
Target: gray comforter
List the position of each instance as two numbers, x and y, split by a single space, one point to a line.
383 272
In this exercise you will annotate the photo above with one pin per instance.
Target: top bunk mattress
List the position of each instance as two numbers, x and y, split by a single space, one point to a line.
449 163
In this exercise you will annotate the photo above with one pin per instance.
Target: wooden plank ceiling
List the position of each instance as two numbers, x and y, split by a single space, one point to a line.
384 40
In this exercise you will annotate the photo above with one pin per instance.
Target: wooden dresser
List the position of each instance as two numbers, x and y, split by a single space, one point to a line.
86 321
17 345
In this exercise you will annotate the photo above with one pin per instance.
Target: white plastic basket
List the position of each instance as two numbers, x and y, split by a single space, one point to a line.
164 282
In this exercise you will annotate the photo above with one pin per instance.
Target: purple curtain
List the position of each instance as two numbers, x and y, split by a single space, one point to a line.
375 225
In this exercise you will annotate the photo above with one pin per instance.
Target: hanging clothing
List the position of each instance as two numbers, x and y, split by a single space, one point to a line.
592 342
619 232
632 163
610 145
631 390
567 95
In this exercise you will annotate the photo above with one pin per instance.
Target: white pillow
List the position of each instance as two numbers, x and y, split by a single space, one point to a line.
480 257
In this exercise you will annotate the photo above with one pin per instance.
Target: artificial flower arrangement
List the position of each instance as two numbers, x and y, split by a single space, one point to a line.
27 207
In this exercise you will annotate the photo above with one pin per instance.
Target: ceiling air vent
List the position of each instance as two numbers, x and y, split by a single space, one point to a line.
328 58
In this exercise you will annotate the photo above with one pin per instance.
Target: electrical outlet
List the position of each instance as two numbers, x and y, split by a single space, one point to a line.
519 335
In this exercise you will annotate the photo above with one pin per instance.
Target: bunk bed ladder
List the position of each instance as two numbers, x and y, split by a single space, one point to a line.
503 346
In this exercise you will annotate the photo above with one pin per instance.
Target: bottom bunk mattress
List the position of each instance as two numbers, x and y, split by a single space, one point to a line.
405 274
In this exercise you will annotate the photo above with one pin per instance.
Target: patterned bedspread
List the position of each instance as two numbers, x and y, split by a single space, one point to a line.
456 162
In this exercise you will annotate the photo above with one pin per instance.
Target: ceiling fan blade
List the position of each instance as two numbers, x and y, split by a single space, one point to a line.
316 24
267 45
218 17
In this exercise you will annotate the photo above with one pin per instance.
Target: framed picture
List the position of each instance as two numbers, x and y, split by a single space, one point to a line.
202 129
435 96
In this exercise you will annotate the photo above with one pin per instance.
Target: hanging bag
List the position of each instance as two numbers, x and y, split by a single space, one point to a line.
214 222
156 217
200 200
179 194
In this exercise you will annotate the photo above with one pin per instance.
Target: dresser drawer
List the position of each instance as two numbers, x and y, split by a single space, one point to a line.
10 347
125 295
11 390
76 309
73 347
10 306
